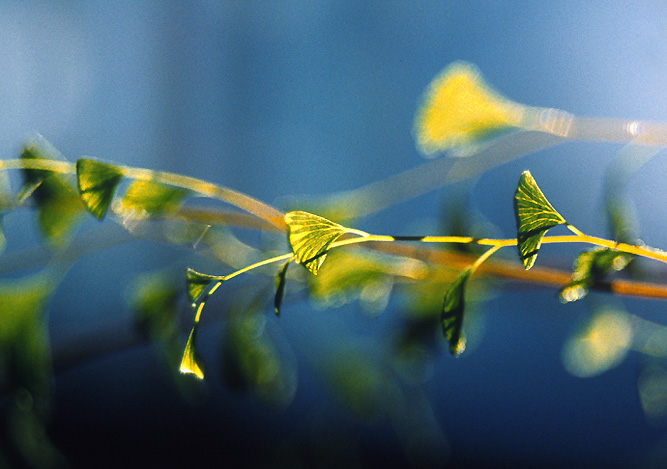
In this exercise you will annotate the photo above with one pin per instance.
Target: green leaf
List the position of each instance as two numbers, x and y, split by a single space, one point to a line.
310 236
197 282
97 183
280 288
144 199
59 206
191 363
590 268
452 313
534 216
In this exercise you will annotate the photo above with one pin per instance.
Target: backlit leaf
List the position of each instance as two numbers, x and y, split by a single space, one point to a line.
452 313
534 216
590 268
196 283
458 109
280 288
97 183
144 199
59 206
191 363
310 236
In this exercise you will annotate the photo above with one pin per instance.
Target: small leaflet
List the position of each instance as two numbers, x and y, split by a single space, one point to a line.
452 313
97 184
191 363
534 217
196 283
310 236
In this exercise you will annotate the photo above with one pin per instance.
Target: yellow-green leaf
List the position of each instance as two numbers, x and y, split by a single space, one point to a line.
534 217
197 282
310 236
191 363
144 199
458 109
97 183
452 313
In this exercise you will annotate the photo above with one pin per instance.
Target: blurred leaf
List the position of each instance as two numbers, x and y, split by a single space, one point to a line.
144 199
459 108
197 282
590 268
59 206
534 217
600 345
25 368
191 363
254 360
97 183
452 313
310 237
280 288
154 300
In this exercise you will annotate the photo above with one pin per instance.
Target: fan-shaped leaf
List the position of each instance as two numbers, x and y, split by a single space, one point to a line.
191 363
196 283
452 313
280 288
458 109
590 268
97 183
310 236
534 216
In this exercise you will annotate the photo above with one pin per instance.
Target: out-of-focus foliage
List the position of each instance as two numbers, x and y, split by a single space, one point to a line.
458 109
599 345
25 369
144 199
58 203
590 268
256 358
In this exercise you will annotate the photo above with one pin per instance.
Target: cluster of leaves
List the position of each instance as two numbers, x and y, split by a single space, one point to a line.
459 113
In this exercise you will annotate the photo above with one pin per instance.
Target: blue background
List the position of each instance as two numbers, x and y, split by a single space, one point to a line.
282 98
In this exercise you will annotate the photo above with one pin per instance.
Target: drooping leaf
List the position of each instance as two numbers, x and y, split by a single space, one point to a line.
280 288
144 199
590 268
534 216
310 236
97 183
452 313
458 109
197 282
191 363
59 206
